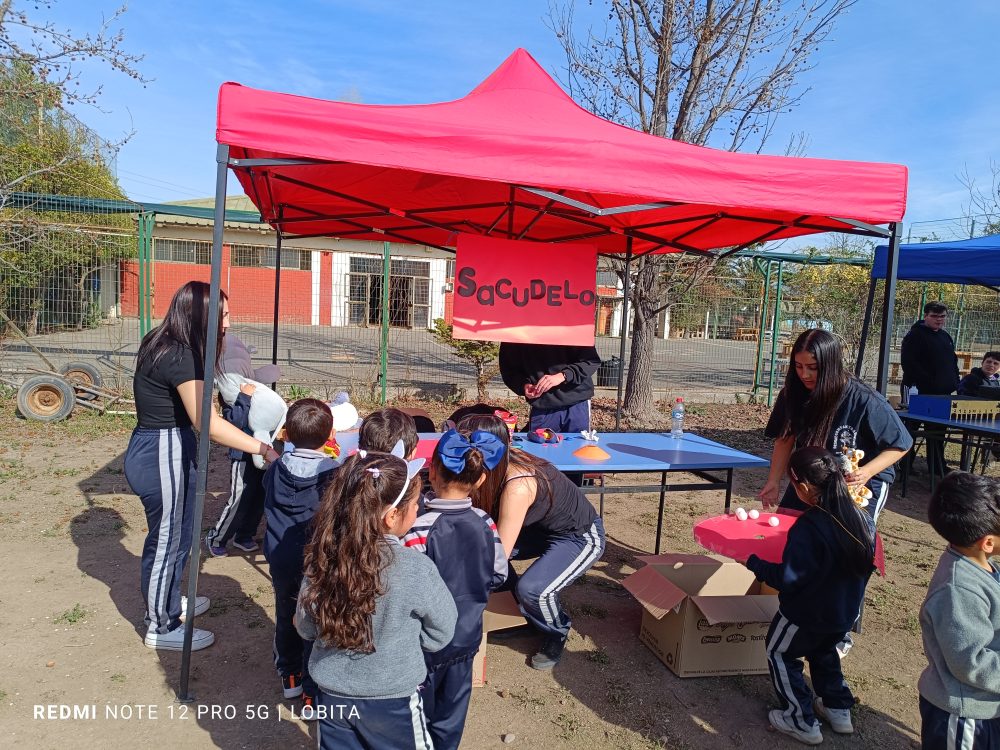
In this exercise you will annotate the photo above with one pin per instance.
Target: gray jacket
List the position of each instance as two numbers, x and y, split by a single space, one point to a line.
416 613
960 620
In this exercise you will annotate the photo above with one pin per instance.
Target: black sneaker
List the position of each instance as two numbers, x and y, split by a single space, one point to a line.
291 685
550 653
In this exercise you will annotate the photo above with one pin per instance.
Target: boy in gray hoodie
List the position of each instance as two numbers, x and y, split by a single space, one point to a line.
960 619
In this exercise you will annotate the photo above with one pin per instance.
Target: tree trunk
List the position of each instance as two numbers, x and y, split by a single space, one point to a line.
482 379
639 405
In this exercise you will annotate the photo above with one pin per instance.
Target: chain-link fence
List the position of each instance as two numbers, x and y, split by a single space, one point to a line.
72 292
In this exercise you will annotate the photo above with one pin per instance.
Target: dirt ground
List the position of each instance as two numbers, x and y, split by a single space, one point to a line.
70 623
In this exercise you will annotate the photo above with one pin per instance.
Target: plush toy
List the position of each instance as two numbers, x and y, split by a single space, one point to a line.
267 408
851 460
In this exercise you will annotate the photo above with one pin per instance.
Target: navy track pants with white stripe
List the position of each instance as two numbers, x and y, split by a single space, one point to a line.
563 559
787 645
242 512
940 730
372 724
160 469
446 693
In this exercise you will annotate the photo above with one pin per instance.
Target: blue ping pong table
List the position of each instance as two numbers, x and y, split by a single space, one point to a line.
631 453
649 453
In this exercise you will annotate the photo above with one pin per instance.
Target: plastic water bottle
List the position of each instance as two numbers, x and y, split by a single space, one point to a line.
677 419
910 393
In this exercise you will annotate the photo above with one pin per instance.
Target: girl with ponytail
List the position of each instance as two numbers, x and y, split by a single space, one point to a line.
828 558
462 541
372 606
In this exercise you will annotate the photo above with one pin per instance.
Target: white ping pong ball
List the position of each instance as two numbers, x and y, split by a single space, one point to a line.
741 514
773 520
754 514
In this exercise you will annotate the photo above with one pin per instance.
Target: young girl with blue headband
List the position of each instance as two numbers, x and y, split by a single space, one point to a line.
463 543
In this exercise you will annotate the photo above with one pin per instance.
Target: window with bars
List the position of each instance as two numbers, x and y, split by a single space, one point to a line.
182 251
260 256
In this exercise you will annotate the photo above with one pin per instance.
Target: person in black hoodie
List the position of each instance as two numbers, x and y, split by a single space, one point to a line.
929 362
463 542
557 382
983 380
293 487
828 557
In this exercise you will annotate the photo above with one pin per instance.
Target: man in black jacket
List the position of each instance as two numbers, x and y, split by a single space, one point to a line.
929 363
557 381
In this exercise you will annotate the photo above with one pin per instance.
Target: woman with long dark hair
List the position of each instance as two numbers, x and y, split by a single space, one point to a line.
539 513
823 405
160 461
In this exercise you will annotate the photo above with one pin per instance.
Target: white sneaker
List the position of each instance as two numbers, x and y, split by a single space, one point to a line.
839 719
845 645
201 605
777 718
174 640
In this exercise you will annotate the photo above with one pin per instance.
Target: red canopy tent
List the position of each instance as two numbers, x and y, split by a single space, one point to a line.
518 158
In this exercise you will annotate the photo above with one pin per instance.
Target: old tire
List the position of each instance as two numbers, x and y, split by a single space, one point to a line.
45 398
82 373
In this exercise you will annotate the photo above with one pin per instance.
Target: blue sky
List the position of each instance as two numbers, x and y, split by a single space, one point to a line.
906 81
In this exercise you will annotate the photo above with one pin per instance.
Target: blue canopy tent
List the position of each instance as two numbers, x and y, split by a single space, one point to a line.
975 261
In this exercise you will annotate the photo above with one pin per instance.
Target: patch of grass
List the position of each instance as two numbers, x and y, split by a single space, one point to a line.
893 683
912 624
255 624
118 678
66 472
568 725
526 699
600 656
52 532
13 470
72 616
3 695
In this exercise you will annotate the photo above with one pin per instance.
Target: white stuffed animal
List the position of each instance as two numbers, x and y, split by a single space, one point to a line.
267 408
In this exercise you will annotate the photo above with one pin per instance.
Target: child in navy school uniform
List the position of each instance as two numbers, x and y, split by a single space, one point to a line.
293 486
828 558
372 608
464 545
241 514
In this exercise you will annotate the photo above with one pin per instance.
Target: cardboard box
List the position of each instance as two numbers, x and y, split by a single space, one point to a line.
704 614
501 613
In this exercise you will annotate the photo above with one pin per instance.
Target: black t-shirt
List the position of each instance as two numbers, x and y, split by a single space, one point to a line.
157 403
568 511
864 420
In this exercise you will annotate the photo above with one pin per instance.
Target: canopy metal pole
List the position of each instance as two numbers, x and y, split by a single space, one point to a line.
775 325
626 290
762 325
211 346
277 291
383 347
866 326
888 303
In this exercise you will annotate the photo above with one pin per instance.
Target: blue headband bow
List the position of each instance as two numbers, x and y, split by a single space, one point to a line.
453 448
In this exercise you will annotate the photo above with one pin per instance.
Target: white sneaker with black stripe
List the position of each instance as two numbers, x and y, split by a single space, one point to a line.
201 605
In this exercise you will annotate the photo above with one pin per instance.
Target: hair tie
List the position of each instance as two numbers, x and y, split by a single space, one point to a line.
453 448
374 471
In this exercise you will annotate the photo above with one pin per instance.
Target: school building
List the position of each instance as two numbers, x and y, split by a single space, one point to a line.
324 281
